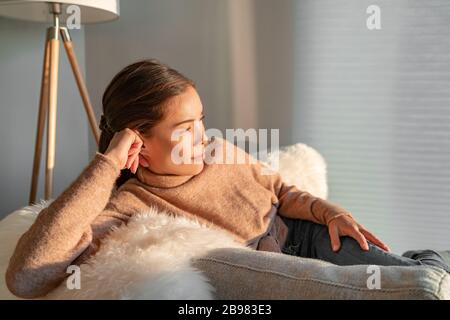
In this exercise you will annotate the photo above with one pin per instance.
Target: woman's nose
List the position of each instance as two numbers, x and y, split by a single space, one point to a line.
201 139
205 138
200 134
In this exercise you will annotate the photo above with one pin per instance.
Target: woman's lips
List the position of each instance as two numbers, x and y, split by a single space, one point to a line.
201 155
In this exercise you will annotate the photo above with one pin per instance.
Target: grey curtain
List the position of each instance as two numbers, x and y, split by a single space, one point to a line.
376 104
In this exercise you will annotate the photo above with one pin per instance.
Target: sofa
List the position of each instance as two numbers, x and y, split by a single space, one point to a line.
237 273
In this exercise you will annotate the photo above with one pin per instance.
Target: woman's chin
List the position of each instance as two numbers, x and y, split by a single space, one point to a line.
198 167
189 169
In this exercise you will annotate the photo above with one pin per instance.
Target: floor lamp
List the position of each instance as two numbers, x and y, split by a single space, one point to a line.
86 11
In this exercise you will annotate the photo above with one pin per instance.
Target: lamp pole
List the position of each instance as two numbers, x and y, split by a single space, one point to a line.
48 101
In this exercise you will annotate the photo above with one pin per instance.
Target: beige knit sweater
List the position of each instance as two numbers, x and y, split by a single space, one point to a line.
236 198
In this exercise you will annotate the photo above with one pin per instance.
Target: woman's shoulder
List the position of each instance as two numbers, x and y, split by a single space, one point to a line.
129 197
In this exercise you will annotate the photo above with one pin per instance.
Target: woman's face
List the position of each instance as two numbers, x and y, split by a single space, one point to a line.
176 144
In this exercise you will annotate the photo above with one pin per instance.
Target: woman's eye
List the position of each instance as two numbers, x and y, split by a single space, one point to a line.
189 129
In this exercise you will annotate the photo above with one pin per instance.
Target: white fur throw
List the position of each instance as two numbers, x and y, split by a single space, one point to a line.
149 258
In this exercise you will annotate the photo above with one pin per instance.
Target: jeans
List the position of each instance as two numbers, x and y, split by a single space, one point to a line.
311 240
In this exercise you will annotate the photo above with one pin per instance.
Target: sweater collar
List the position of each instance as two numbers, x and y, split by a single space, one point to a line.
153 179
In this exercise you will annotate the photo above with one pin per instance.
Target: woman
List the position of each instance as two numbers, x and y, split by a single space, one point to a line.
152 117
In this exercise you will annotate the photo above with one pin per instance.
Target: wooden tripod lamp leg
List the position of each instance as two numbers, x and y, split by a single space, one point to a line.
52 99
68 45
43 106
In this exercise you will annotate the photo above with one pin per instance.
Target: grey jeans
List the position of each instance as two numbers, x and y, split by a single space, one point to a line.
311 240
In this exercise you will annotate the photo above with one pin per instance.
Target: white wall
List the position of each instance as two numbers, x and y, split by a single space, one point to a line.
274 34
21 57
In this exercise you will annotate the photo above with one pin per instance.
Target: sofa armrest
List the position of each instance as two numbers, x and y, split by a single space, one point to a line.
250 274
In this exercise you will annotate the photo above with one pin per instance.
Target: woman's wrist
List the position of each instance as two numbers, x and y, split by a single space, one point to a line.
112 159
342 214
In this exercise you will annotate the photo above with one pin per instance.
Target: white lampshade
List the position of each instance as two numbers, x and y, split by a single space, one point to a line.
91 11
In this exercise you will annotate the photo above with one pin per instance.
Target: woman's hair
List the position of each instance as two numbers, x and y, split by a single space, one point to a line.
135 98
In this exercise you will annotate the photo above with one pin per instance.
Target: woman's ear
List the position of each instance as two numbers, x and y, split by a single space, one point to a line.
142 153
140 136
143 161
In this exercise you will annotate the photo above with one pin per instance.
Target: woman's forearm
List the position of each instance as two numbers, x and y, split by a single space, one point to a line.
62 231
298 204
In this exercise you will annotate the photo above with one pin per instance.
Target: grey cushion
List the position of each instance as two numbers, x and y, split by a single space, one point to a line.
445 255
250 274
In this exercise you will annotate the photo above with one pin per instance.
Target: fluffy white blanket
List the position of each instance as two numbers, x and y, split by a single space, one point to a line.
149 258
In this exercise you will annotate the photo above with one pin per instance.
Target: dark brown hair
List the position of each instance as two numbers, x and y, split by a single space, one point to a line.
135 98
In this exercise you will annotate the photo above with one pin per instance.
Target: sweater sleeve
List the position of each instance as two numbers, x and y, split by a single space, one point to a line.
295 203
64 231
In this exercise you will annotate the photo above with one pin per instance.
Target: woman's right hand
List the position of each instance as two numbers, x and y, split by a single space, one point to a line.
124 149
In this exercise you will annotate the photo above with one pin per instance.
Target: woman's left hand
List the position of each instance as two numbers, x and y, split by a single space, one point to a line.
345 225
